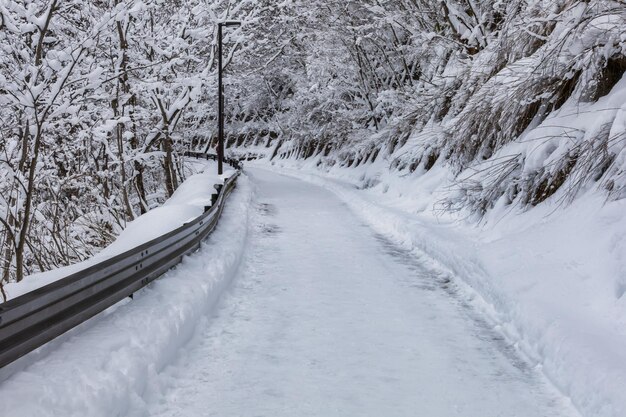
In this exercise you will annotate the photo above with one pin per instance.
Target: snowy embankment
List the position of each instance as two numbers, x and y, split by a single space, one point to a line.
109 366
552 283
187 203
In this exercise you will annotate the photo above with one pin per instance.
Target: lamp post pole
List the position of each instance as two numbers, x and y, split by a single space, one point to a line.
220 95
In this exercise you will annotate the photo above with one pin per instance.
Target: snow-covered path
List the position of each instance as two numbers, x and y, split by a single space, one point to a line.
327 319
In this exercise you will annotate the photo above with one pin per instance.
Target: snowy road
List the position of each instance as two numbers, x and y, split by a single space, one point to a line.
327 319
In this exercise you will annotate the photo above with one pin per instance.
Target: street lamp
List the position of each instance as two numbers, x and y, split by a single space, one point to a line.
220 99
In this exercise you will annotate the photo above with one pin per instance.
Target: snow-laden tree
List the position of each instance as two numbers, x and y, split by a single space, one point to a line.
98 99
46 70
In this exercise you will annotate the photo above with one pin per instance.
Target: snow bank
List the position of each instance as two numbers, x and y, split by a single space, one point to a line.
112 365
553 284
187 203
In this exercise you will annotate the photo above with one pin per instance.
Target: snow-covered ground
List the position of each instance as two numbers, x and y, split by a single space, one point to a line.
398 313
187 203
109 365
326 318
551 280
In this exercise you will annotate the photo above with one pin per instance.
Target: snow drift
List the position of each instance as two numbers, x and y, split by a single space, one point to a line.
111 366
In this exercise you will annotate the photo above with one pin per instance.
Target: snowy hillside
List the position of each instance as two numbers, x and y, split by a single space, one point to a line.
518 99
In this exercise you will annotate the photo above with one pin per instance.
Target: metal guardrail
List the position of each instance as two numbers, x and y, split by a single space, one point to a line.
35 318
235 163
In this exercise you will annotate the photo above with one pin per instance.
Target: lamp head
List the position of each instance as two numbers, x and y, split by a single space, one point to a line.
230 23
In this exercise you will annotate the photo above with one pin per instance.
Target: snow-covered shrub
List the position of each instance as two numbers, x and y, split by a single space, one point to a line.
553 106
